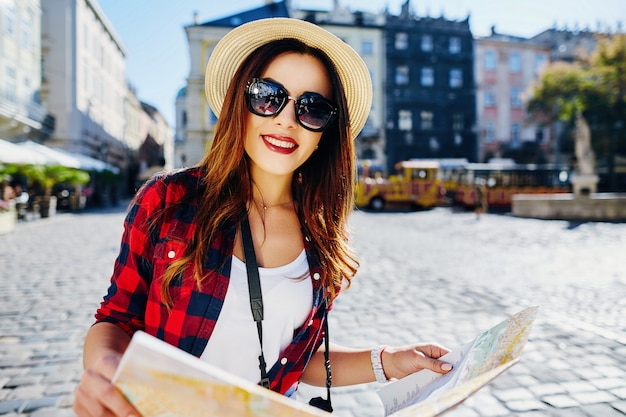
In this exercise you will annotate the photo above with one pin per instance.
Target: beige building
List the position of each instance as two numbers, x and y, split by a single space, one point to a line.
22 116
84 86
194 115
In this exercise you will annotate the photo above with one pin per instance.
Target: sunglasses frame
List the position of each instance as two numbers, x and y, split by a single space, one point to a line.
282 92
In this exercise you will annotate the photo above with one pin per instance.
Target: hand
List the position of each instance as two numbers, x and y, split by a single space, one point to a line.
399 362
97 396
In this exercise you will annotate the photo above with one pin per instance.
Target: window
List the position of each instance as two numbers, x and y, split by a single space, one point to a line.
540 62
427 43
490 61
427 76
490 99
426 118
9 20
458 122
515 62
490 132
402 75
515 135
456 78
402 41
539 136
367 47
405 120
27 23
11 84
433 144
454 45
516 98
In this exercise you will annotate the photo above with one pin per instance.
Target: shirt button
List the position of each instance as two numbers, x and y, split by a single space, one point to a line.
311 323
171 254
316 276
283 361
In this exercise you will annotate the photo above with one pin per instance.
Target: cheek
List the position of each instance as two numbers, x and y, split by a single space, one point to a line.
312 143
252 127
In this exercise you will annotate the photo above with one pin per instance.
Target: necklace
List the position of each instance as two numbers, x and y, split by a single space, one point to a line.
262 202
265 206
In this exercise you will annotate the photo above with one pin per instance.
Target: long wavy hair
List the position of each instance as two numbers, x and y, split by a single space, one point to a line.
322 186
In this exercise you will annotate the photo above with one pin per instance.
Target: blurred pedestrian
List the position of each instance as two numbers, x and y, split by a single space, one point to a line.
271 198
480 201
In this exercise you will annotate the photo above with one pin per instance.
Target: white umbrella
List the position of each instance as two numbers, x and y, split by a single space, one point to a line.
52 156
10 153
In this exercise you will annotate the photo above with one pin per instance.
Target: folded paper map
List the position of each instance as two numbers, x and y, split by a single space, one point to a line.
161 380
428 394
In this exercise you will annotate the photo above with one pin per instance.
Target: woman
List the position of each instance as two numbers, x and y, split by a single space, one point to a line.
282 162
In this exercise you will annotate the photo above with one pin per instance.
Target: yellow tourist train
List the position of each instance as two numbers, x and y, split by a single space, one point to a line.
415 183
435 182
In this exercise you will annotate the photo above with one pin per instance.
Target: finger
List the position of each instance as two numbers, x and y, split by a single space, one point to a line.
428 356
435 365
432 350
98 395
85 406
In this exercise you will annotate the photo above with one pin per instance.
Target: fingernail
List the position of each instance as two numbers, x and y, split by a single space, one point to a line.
446 366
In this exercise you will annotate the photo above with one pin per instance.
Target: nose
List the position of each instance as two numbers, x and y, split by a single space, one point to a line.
287 116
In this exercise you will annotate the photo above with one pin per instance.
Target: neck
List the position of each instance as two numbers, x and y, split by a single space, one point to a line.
272 192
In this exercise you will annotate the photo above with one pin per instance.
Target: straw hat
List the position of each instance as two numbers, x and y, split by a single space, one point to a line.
237 44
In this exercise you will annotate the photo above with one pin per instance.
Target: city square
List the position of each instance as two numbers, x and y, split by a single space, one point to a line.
435 275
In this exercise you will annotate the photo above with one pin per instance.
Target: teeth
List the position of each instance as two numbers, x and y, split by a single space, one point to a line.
280 143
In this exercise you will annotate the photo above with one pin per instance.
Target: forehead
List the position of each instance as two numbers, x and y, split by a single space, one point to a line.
299 73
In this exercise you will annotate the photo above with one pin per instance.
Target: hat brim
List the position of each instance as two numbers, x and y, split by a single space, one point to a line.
237 44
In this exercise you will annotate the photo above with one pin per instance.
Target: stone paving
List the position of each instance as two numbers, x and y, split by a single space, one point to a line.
437 275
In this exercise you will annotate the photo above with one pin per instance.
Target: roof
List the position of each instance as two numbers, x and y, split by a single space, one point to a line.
276 9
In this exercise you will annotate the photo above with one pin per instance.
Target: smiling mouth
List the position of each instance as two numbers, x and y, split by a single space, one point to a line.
279 143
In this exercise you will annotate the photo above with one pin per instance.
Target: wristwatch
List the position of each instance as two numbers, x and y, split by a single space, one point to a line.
377 363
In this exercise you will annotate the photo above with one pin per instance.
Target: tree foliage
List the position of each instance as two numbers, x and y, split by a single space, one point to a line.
596 86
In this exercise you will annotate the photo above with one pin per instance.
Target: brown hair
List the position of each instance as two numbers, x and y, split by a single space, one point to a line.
322 186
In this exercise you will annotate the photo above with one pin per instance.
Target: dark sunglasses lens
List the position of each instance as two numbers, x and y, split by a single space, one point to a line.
313 113
265 99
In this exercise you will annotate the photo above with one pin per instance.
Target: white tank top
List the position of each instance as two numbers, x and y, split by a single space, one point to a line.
287 301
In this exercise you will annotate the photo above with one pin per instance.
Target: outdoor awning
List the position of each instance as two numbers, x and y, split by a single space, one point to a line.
88 163
52 156
11 153
67 159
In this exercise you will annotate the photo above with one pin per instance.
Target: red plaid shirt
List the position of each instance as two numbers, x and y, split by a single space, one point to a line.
134 300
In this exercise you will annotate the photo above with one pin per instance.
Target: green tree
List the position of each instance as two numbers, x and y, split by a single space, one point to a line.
595 86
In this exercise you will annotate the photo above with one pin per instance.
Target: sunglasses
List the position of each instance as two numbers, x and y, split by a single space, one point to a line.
267 98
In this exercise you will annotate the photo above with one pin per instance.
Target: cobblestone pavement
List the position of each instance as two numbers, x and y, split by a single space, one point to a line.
435 275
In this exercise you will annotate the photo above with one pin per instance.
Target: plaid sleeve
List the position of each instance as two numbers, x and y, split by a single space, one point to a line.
125 302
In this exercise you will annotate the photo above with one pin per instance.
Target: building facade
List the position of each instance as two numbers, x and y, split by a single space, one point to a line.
429 88
506 67
84 82
22 115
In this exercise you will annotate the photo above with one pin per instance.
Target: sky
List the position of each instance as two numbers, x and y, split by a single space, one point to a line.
157 61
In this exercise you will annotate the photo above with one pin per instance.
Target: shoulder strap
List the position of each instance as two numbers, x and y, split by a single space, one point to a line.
256 297
256 305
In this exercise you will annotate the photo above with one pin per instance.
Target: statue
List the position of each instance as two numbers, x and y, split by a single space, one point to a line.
584 180
584 152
